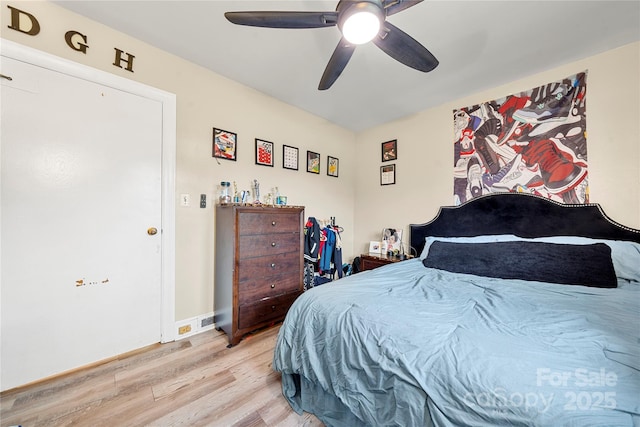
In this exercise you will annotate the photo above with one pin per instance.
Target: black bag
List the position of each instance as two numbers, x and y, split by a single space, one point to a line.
355 267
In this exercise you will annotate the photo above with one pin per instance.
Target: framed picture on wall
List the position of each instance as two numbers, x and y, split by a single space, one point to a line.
313 162
332 166
224 144
264 152
390 150
388 174
289 157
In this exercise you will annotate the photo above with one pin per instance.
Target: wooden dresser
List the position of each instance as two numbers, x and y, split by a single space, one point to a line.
258 266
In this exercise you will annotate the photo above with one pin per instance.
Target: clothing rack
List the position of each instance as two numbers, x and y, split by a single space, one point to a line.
322 252
331 222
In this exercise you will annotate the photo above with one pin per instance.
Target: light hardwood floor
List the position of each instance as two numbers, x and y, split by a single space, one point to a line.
196 381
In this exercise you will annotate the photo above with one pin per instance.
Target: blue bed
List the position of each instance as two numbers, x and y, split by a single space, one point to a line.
412 345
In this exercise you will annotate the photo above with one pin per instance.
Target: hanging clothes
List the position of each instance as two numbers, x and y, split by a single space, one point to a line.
311 240
337 255
327 250
322 253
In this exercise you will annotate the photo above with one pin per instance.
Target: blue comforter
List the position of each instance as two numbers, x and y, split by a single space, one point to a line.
412 346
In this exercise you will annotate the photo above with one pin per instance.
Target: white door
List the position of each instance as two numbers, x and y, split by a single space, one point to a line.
81 193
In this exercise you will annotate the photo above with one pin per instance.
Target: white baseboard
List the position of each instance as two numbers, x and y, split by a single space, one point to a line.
194 326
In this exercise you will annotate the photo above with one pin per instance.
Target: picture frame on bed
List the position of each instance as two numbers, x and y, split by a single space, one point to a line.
264 152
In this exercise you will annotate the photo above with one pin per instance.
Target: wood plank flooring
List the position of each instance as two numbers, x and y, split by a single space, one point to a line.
196 381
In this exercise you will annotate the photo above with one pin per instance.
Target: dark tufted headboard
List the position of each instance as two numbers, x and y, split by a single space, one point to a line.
524 215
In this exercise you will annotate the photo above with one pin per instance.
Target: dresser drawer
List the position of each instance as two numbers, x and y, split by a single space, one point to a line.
259 288
268 244
263 223
289 263
372 263
271 309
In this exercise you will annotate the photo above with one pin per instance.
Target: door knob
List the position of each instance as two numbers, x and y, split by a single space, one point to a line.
152 231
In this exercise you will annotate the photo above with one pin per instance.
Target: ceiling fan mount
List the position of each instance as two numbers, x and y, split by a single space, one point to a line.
359 21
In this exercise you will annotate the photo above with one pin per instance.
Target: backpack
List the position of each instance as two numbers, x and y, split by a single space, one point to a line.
355 267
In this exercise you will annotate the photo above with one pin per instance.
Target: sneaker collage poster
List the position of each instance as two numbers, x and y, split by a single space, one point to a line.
533 142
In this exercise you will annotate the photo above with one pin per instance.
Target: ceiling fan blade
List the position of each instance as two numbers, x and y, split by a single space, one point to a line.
404 48
339 59
394 6
284 19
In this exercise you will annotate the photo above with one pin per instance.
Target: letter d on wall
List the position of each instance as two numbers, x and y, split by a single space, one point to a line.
15 21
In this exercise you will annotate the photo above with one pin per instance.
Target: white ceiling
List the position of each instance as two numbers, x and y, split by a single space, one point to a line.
480 44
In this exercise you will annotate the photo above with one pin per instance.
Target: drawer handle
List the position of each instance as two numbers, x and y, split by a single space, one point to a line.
273 286
273 223
273 307
273 244
273 265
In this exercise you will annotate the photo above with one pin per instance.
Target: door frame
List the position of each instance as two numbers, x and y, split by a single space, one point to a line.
42 59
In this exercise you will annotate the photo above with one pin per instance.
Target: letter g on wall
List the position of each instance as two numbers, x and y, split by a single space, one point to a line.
70 37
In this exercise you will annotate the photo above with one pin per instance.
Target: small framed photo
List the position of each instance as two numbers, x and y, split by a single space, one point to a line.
224 144
332 166
388 174
264 152
313 162
375 247
390 150
289 157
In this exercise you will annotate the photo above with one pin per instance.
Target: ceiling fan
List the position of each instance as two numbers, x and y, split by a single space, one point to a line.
360 21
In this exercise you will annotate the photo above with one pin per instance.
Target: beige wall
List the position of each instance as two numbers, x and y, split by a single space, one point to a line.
425 148
356 199
205 100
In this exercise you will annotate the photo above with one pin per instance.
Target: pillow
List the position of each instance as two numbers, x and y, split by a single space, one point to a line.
475 239
587 265
624 254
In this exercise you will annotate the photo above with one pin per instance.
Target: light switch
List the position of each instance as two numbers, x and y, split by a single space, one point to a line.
185 200
203 201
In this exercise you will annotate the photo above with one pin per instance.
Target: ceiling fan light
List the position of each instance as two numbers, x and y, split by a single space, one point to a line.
361 27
